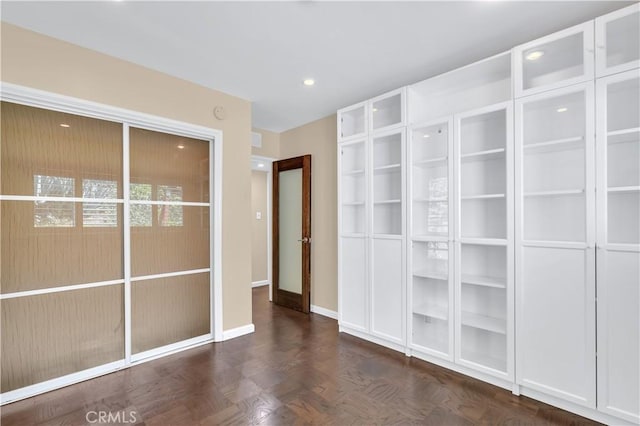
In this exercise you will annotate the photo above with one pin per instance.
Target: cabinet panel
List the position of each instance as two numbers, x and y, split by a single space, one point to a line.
387 110
556 323
387 289
557 60
483 309
353 282
388 183
483 144
352 121
353 187
618 41
555 155
619 333
431 297
430 179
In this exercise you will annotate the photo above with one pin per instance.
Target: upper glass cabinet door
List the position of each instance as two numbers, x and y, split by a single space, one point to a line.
352 121
387 110
618 41
557 60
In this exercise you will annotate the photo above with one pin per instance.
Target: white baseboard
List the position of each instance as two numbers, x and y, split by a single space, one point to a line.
324 312
238 331
259 283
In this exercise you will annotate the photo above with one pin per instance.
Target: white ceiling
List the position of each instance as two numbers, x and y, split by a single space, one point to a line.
261 51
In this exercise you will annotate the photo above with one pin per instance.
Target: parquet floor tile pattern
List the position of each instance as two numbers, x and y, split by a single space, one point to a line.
295 369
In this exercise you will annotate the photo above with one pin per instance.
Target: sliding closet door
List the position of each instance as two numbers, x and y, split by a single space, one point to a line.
169 225
105 246
61 238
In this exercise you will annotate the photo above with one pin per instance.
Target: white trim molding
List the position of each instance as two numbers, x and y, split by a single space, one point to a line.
238 331
324 312
60 382
259 283
170 349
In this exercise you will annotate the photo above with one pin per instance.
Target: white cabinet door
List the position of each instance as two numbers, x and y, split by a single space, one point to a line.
484 235
618 145
618 41
354 295
387 183
352 121
430 276
352 188
387 111
555 237
557 60
387 290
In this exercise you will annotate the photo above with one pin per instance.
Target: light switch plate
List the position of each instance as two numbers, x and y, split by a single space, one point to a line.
258 215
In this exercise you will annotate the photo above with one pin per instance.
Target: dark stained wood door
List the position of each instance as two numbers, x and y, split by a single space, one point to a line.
292 233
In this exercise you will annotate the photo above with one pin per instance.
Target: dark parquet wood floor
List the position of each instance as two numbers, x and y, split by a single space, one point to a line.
295 369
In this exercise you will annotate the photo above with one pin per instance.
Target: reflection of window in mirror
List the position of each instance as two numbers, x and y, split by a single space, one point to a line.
140 214
99 214
52 214
170 215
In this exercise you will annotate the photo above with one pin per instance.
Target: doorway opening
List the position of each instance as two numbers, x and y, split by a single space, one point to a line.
261 222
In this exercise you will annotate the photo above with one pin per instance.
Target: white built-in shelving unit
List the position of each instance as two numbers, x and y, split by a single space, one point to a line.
519 239
372 219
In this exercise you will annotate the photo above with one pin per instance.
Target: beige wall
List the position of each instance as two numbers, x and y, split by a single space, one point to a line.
44 63
259 227
270 144
319 139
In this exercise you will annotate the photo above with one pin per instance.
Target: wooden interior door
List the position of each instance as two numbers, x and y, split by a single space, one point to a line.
292 233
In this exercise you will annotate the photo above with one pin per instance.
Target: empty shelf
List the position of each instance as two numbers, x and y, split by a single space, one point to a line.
623 189
395 201
353 203
481 196
431 162
624 136
352 172
554 193
555 145
431 310
431 274
485 281
486 155
431 200
624 131
484 241
389 168
494 325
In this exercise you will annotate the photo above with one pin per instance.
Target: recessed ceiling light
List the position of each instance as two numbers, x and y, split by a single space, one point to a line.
535 55
375 110
261 165
180 146
64 125
563 109
308 82
426 135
